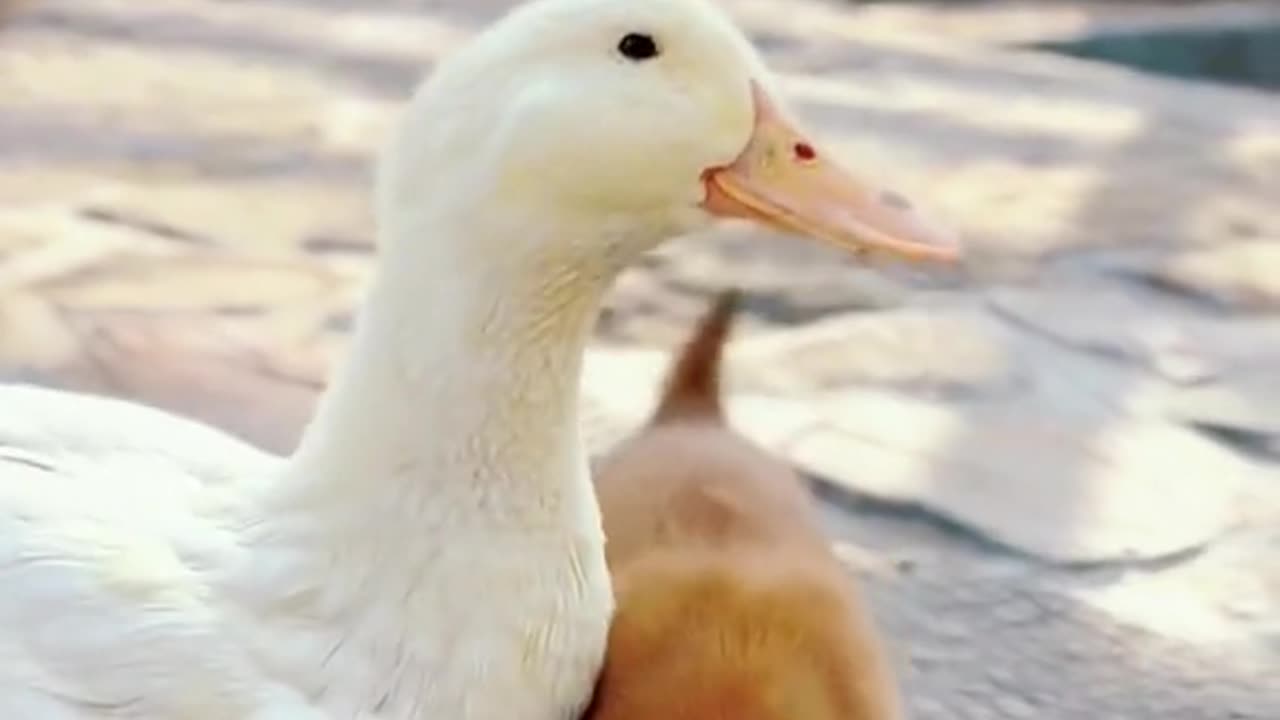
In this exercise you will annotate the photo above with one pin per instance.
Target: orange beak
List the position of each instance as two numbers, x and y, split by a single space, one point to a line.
785 182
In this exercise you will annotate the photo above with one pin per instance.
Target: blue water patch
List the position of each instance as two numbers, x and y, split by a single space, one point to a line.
1234 55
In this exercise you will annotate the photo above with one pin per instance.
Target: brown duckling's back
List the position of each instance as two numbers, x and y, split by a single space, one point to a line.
731 604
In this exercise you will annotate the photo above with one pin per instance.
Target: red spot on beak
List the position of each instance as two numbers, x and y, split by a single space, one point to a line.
804 151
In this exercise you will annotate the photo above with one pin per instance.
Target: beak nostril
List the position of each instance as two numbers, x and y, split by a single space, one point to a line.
804 151
894 200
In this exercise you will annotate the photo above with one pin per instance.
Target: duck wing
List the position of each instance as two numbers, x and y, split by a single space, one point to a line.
113 519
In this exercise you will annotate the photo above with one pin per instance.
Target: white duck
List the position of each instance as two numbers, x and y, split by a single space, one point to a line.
433 549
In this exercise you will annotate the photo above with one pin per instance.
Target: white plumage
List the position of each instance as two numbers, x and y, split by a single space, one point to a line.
433 549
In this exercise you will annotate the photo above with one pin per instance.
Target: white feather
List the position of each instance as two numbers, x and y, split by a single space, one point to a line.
433 550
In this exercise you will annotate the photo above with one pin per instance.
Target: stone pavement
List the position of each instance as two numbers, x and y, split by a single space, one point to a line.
1055 468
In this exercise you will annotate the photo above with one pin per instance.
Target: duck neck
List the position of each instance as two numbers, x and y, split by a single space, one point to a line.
457 403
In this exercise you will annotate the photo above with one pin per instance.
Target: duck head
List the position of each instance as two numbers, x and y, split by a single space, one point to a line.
637 119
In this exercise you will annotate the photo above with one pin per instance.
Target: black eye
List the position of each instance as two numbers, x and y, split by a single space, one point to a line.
638 46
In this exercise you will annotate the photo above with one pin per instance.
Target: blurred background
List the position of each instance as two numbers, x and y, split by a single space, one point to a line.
1056 469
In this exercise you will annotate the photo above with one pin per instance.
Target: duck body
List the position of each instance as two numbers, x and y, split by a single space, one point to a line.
433 549
110 548
138 587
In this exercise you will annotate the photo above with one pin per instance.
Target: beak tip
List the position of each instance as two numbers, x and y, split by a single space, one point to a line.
944 256
952 249
936 245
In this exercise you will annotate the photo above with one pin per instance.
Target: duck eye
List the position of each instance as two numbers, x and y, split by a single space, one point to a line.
638 46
